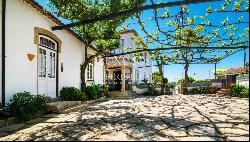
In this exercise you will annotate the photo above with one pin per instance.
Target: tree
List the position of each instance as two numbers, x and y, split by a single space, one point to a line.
156 77
192 38
181 81
102 35
195 32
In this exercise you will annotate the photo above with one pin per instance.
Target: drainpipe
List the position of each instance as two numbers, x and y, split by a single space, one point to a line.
3 51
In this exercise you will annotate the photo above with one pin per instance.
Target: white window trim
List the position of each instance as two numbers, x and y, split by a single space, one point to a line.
91 76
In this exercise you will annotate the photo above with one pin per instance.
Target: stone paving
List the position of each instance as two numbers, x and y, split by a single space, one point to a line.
173 118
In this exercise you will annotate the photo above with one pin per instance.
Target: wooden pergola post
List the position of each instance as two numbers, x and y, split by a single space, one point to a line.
123 79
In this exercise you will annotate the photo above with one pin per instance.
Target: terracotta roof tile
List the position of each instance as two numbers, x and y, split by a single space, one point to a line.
233 71
40 9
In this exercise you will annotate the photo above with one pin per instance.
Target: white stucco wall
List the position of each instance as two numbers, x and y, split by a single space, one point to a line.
0 50
98 69
21 74
243 82
141 66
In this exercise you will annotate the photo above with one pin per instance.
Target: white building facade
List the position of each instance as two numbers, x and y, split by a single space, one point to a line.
142 68
124 71
37 59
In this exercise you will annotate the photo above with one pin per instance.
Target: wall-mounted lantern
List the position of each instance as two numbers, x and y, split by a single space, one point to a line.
61 67
30 56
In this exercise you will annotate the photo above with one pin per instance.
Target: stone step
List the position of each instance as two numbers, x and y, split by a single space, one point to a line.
76 108
61 106
221 92
118 93
71 106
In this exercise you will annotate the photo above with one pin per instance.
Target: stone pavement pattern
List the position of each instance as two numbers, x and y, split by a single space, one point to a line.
190 118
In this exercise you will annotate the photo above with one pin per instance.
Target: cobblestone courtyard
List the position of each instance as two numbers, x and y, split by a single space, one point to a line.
146 118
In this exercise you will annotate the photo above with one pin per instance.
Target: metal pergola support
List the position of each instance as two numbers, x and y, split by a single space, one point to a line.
129 11
180 48
215 72
245 56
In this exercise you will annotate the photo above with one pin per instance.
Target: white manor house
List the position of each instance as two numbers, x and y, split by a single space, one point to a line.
41 61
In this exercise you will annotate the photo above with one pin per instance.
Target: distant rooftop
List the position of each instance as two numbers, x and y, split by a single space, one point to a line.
235 71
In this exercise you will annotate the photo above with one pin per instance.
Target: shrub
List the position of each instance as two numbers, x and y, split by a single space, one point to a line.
72 94
151 91
171 85
26 106
239 91
181 81
94 92
213 89
105 90
203 81
194 91
200 90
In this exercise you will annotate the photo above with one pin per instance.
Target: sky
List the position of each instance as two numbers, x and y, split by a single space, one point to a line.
197 71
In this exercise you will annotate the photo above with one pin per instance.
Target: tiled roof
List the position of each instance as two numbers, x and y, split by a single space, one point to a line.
234 71
40 9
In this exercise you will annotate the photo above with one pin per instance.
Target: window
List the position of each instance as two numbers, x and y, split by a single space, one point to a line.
42 62
145 57
47 43
52 61
137 75
121 45
90 71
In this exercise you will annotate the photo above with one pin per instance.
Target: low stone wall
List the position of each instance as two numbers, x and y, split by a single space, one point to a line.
8 121
63 107
143 88
14 120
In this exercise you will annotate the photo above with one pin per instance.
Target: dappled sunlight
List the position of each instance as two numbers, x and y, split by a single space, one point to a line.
147 118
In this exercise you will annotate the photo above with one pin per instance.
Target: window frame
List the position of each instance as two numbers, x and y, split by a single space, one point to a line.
90 72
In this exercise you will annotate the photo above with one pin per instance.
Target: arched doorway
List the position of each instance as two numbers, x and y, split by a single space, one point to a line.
118 80
48 49
47 66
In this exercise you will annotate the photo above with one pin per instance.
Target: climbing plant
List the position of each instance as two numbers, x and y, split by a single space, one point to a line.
180 29
103 35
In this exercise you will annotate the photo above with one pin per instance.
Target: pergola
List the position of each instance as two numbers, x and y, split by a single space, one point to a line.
154 7
217 61
150 7
129 11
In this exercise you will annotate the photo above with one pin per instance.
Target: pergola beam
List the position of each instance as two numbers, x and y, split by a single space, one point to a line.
133 10
215 62
180 63
179 48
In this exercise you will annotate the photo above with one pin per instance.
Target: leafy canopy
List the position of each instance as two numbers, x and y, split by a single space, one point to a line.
103 34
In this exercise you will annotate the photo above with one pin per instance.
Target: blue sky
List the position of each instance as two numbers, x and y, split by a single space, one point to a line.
204 71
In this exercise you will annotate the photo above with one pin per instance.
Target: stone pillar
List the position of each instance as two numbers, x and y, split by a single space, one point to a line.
131 79
123 79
